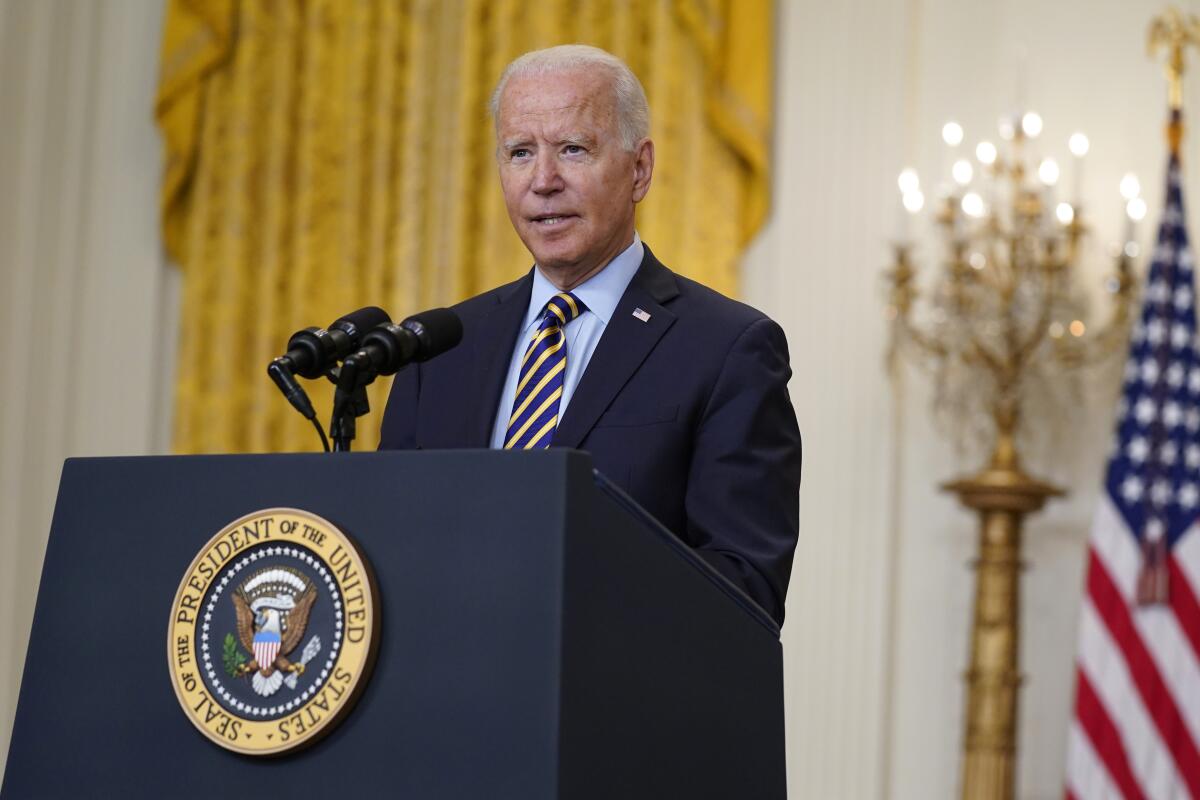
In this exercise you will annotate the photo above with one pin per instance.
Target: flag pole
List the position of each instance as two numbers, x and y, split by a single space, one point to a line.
1173 32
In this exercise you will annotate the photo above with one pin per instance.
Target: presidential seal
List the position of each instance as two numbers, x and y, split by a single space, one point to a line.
273 632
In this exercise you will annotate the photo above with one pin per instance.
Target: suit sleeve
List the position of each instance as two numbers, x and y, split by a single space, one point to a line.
398 431
743 496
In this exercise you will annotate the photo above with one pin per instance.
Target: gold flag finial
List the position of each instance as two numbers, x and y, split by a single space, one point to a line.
1173 31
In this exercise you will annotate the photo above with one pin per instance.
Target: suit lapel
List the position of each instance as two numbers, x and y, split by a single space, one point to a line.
626 342
493 351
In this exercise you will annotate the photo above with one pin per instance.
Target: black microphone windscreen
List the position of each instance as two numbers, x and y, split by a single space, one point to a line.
438 330
356 323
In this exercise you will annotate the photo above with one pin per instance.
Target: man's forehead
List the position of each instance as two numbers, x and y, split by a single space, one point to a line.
562 94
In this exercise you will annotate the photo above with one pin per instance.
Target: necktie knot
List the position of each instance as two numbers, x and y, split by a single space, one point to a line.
562 308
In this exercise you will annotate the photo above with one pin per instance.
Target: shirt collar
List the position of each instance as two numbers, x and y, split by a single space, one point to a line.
600 293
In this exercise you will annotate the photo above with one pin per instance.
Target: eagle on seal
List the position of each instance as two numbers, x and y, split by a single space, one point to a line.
272 613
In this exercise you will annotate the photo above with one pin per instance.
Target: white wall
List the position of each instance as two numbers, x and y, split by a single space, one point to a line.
880 602
86 304
880 599
815 270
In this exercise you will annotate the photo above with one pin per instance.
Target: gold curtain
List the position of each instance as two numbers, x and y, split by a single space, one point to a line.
323 155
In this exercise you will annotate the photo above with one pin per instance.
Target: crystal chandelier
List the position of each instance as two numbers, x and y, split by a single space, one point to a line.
1007 315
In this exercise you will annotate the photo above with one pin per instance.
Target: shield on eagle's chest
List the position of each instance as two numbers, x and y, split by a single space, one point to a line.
266 647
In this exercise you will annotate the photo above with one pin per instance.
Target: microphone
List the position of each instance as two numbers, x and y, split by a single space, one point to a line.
312 351
387 348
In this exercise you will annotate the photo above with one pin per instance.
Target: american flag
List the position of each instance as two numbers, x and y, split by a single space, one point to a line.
1137 707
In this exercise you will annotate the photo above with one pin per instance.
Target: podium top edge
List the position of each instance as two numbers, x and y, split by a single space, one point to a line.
550 454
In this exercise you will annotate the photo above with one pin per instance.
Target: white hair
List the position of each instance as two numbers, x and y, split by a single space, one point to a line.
633 112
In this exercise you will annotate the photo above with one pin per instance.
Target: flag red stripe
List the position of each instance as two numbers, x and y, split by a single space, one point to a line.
1155 696
1184 604
1105 738
265 652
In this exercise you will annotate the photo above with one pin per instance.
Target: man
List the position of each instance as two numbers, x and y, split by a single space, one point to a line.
679 394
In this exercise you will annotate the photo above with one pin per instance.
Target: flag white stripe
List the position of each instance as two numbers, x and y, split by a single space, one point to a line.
1156 625
1175 659
1104 664
1116 546
1087 777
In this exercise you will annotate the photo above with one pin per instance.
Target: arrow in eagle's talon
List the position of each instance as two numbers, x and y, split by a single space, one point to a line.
310 652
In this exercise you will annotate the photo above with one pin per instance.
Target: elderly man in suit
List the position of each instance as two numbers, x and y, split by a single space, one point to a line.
679 393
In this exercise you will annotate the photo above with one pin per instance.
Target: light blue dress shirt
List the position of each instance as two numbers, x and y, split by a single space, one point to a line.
600 293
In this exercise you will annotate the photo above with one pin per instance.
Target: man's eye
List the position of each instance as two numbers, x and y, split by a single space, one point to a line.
520 152
573 149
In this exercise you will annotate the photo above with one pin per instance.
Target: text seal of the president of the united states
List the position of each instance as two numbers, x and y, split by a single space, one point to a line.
273 632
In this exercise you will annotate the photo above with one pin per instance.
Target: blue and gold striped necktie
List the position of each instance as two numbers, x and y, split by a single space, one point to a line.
540 387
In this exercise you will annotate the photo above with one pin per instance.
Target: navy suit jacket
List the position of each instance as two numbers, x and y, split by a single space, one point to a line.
688 412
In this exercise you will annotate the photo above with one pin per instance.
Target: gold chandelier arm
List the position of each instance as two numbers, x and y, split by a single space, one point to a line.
901 295
925 344
1113 336
1023 352
978 352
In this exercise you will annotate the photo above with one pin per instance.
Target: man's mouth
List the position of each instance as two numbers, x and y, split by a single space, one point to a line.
550 220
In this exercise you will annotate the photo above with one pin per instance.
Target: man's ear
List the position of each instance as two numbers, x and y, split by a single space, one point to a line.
643 168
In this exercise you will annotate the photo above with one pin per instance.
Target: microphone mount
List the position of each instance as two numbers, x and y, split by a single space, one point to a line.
349 401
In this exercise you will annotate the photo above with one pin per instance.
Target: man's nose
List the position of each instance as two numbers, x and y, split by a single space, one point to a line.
546 177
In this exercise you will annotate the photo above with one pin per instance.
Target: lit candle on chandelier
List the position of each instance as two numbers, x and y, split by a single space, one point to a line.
1048 174
911 199
1079 146
952 135
985 154
1135 206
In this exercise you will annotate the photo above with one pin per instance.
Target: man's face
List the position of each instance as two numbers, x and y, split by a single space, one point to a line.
569 186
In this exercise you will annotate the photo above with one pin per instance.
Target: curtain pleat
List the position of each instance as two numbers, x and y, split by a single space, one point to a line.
323 155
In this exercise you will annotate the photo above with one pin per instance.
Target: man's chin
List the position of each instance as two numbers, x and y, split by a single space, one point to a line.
558 269
554 255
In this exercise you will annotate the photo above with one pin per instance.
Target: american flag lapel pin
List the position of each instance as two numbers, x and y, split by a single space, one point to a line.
644 316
